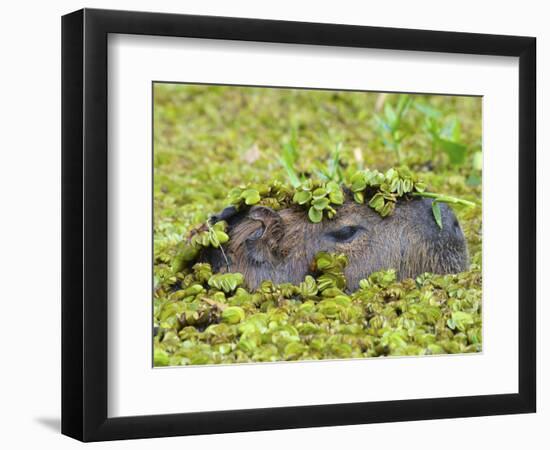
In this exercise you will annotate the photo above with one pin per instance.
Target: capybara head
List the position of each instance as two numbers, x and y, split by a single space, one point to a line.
280 245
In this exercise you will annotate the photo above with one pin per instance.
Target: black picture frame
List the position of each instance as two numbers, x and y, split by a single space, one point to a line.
84 224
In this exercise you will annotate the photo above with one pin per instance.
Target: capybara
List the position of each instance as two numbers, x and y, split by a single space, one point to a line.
281 245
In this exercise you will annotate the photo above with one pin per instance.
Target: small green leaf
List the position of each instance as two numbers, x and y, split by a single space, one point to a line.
233 314
359 197
332 187
329 308
391 116
319 193
293 350
323 260
436 210
228 282
320 203
396 185
377 202
288 159
308 287
358 182
315 215
455 151
407 186
391 174
251 196
307 185
387 209
302 197
336 197
222 237
220 226
213 239
419 186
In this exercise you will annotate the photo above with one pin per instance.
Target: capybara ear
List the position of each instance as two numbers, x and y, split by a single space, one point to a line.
264 241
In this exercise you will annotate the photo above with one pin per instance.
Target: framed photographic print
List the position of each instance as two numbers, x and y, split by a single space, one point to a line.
273 224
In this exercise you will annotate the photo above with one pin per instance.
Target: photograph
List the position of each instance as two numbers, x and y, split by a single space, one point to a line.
296 224
292 223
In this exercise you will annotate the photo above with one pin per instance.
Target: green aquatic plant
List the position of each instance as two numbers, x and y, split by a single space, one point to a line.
388 187
227 282
382 190
204 236
445 135
212 319
209 322
321 199
203 142
391 123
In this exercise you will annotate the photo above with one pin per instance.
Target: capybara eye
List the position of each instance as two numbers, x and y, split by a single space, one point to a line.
344 234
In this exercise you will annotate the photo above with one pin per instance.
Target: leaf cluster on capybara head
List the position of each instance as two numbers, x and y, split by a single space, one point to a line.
280 245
